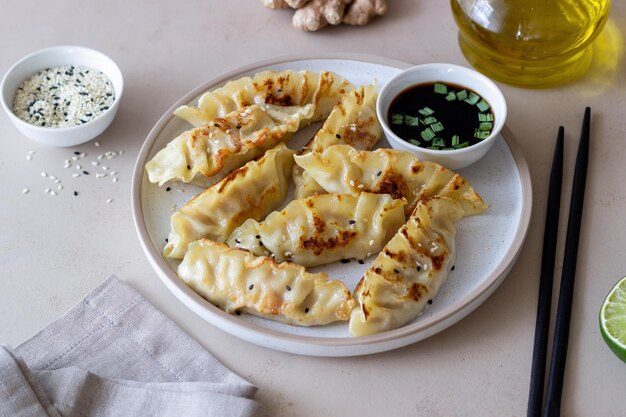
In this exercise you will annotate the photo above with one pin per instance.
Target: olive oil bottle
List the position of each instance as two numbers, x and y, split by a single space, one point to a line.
530 43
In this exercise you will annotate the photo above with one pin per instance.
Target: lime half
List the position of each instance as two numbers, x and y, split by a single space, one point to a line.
613 319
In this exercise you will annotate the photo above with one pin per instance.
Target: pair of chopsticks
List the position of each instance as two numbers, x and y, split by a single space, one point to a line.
564 309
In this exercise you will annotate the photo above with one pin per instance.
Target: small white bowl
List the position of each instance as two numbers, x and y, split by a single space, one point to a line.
452 74
54 57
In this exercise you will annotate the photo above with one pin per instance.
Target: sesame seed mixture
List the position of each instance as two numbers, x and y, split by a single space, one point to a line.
63 96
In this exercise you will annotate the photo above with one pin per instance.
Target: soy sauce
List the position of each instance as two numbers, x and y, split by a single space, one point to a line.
441 116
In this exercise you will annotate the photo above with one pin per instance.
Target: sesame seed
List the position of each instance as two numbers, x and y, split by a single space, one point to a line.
237 241
52 177
425 267
114 179
95 163
352 221
113 173
306 310
109 200
25 191
53 193
75 175
168 189
75 193
78 167
47 190
96 143
345 261
361 261
121 152
100 156
104 167
74 158
378 174
82 155
396 271
43 174
251 286
60 187
31 152
430 301
452 269
338 136
86 172
288 288
372 242
28 157
352 183
360 186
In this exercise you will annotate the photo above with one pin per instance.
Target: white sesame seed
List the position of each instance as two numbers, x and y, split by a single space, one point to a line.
67 165
95 163
75 158
53 193
432 250
47 190
43 174
97 143
28 157
360 186
113 173
57 181
425 267
52 177
25 190
121 151
60 187
372 242
352 183
31 152
78 167
100 156
109 200
114 179
82 155
104 167
75 175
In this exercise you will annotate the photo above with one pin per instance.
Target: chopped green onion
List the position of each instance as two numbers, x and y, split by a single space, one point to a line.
441 88
426 111
436 127
461 145
455 140
427 134
451 96
434 148
482 105
472 99
411 120
481 134
485 126
461 95
438 142
415 142
397 119
429 120
485 117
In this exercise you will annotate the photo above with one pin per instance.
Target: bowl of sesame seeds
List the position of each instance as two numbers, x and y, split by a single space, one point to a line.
62 96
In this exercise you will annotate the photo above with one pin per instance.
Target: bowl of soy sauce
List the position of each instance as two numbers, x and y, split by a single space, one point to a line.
443 113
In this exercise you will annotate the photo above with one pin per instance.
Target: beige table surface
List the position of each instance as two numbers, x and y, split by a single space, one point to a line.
53 250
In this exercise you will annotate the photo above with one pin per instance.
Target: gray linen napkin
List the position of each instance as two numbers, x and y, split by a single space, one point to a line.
114 354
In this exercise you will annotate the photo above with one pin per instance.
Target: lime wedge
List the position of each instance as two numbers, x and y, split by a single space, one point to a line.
613 319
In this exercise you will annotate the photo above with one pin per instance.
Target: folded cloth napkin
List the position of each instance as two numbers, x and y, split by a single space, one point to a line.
114 354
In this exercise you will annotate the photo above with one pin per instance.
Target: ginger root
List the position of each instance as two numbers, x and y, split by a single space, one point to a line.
317 14
312 15
360 12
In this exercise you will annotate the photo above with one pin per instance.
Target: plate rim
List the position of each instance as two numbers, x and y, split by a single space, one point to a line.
317 345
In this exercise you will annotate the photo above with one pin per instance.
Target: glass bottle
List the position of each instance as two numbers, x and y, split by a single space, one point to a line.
530 43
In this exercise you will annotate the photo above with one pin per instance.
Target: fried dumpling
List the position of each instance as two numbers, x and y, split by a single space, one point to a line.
343 169
283 88
252 191
352 122
323 228
409 271
235 280
204 154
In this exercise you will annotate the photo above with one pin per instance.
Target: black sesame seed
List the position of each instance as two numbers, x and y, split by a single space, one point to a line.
361 261
280 90
237 241
86 172
379 173
188 166
238 127
76 153
430 301
345 261
260 243
168 189
288 288
258 236
452 269
419 268
352 221
338 136
396 271
306 310
251 286
166 240
238 313
216 125
75 192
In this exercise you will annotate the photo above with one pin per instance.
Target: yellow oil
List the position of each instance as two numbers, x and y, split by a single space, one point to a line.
530 43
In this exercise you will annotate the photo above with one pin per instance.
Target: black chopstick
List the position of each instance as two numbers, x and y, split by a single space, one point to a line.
566 292
538 371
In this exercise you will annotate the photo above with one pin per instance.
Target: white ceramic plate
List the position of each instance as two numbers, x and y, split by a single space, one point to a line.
487 245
